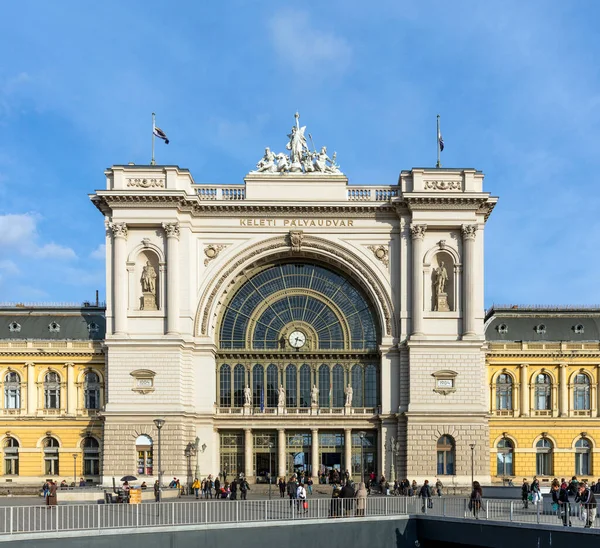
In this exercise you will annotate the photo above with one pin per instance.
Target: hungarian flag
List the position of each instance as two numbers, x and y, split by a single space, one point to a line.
160 134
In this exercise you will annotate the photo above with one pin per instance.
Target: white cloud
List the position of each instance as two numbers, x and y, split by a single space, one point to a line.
300 46
8 266
54 251
99 252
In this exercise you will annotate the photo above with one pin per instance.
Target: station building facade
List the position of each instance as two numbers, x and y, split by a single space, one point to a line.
296 321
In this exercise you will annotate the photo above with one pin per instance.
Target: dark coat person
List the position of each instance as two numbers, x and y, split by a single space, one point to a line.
347 496
51 499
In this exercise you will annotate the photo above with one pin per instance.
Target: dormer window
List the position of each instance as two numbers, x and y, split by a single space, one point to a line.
93 327
54 327
540 329
579 329
14 327
502 329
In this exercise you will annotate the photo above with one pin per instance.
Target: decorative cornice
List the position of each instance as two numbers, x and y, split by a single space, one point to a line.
145 183
443 185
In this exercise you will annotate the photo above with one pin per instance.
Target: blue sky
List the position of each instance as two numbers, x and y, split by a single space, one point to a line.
517 85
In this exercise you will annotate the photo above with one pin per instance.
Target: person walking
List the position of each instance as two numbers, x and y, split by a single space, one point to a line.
292 490
51 499
196 487
588 504
560 502
525 490
361 499
414 488
335 505
217 488
309 484
281 485
209 487
233 487
425 494
301 496
156 491
244 488
476 498
438 487
536 495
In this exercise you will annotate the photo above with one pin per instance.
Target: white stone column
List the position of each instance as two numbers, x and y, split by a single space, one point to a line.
31 390
524 390
172 232
418 234
120 296
249 453
563 390
597 408
469 279
348 450
71 392
315 464
281 450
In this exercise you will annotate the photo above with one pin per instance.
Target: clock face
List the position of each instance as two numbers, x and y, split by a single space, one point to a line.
297 339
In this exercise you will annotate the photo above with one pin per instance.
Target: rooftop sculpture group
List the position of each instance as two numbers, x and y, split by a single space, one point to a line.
300 158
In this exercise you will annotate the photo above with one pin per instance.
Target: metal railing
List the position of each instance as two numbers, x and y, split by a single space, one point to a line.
85 517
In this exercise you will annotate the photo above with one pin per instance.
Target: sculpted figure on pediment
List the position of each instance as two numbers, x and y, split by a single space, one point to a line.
267 163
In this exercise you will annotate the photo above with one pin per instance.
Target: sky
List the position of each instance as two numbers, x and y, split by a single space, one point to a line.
517 85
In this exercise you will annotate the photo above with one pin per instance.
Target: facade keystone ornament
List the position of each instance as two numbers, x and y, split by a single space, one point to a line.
381 253
211 251
443 185
295 238
119 230
442 244
418 231
171 229
146 183
468 231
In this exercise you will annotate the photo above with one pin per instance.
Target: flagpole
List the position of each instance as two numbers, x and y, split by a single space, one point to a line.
438 142
152 162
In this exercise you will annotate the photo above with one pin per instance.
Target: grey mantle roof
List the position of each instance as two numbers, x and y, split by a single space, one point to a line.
540 323
86 323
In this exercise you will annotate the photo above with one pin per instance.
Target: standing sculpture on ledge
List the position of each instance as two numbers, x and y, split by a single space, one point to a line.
314 395
247 396
441 297
349 393
148 287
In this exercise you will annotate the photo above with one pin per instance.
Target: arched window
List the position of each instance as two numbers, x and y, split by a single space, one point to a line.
91 390
143 447
581 392
543 392
291 398
543 461
272 385
445 456
12 390
583 452
305 385
11 457
51 390
358 386
225 386
504 392
324 386
239 383
257 385
91 457
338 386
504 460
51 457
371 386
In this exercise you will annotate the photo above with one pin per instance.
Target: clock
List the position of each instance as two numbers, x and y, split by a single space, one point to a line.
297 339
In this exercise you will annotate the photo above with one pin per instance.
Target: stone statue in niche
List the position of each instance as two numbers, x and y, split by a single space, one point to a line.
148 287
247 396
349 393
440 282
281 397
314 395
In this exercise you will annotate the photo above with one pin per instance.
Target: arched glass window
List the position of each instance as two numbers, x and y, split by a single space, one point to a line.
504 392
258 387
291 399
51 390
371 386
51 467
91 457
12 390
583 452
305 385
358 386
272 385
504 460
143 448
225 386
91 390
543 392
581 392
324 386
239 383
445 456
338 386
543 461
11 457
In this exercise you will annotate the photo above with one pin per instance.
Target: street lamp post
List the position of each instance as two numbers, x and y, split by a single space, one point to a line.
362 435
159 423
472 446
270 458
74 469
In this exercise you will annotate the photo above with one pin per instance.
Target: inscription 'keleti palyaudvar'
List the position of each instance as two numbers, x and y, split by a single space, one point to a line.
297 222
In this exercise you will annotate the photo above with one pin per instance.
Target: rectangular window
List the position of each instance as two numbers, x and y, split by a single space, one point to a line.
92 399
544 464
504 464
91 465
52 398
